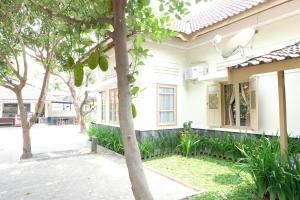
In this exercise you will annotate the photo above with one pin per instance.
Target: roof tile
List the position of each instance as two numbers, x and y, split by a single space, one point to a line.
218 11
288 52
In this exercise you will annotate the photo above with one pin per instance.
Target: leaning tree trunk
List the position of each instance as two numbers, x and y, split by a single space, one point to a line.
132 154
25 127
76 104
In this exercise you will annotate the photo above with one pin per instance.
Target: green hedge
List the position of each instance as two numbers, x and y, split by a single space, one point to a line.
188 143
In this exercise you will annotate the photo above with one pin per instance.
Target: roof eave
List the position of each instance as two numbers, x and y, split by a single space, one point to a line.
248 13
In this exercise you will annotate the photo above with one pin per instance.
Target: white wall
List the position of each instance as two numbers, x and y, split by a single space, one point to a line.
163 67
60 113
268 102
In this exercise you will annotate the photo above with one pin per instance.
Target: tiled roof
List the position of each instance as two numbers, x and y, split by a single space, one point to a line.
288 52
216 12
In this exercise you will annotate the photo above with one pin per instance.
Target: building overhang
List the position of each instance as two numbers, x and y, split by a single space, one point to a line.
286 58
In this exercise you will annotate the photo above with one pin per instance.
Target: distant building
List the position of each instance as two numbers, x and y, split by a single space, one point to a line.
58 105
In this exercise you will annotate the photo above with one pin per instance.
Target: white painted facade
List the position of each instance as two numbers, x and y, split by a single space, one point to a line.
277 27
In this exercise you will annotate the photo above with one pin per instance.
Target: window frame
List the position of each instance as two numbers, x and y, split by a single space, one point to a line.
115 105
158 111
238 112
103 106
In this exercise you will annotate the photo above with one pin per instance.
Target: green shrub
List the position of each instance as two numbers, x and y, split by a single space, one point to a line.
92 131
147 148
294 145
108 138
273 176
188 144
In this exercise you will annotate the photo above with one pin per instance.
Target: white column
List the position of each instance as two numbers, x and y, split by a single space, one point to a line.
282 113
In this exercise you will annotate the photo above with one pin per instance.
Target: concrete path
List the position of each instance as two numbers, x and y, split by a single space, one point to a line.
44 138
101 176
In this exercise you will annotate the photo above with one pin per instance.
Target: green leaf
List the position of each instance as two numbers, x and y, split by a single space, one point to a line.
78 74
133 111
135 90
146 2
103 63
93 60
70 63
138 41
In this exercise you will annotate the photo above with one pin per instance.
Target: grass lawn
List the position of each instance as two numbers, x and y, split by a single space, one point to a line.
220 179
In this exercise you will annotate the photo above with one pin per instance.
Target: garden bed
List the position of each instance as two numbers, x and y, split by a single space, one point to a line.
219 179
276 176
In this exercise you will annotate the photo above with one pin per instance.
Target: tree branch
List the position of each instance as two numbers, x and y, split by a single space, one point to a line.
110 45
11 67
72 20
8 87
7 79
89 111
24 78
60 76
10 46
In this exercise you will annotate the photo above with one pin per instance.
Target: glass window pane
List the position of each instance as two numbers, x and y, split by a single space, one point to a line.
167 117
166 103
166 90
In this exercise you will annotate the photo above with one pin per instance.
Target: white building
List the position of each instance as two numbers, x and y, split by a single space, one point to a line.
175 94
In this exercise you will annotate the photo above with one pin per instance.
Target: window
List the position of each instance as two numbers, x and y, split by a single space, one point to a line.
113 106
61 106
103 106
10 110
67 106
166 105
236 105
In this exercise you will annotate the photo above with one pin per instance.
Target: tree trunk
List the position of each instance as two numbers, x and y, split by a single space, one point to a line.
25 127
132 154
76 104
42 98
82 125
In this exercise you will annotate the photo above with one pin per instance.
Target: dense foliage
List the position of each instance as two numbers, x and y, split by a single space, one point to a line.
275 177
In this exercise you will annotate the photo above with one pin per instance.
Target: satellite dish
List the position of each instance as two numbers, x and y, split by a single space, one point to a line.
238 42
217 39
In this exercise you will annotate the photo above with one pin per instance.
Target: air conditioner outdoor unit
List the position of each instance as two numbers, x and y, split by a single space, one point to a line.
193 73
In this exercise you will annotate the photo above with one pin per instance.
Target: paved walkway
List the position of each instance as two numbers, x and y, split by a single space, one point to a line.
80 177
44 139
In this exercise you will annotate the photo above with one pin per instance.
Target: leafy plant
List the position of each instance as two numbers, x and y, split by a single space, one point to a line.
188 144
92 131
147 148
274 177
